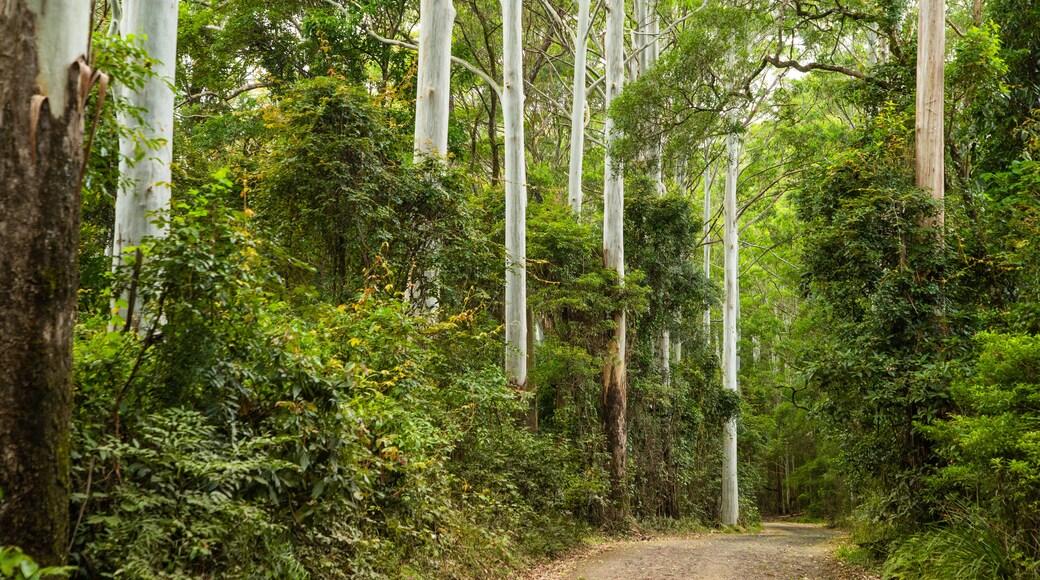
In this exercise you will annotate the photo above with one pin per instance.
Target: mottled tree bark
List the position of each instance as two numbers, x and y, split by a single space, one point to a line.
615 375
931 54
41 155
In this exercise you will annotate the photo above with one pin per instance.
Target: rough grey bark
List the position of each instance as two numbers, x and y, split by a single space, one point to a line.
41 155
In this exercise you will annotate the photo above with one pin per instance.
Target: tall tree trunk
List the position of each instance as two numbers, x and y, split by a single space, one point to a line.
615 379
41 156
648 27
496 165
432 106
433 88
708 178
145 183
581 43
931 53
516 195
730 502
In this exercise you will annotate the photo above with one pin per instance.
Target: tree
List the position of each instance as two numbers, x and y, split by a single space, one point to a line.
730 503
146 151
433 94
709 176
41 157
931 55
615 379
581 45
516 195
432 100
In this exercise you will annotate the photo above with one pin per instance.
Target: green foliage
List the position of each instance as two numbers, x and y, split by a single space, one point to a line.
332 187
252 431
127 66
17 565
990 479
967 546
876 275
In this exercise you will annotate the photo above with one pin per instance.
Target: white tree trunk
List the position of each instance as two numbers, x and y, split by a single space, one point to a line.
581 43
730 511
931 54
664 352
615 379
650 51
145 184
516 195
708 178
432 105
433 82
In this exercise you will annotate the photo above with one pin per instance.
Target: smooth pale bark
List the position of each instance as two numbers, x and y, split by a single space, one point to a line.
650 54
615 375
42 47
516 196
581 43
731 313
144 170
931 54
432 106
664 352
708 178
433 79
648 31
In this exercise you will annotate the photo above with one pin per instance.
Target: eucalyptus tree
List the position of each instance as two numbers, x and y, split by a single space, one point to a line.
42 54
516 194
615 376
709 177
578 103
931 56
432 104
146 148
433 78
730 313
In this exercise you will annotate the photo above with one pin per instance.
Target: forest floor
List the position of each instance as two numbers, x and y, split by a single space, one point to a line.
782 550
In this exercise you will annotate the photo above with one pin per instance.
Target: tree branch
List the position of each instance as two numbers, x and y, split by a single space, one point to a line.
811 66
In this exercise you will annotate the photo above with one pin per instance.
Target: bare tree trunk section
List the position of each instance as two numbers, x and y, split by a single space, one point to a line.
615 376
432 111
931 54
577 157
531 417
516 196
145 184
40 161
731 312
664 351
708 178
433 94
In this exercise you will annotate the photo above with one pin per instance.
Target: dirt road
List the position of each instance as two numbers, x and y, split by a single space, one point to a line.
780 550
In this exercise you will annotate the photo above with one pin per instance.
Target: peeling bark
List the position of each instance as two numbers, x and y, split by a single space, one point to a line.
39 236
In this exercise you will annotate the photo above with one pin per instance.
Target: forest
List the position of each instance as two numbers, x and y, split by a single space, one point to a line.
448 288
